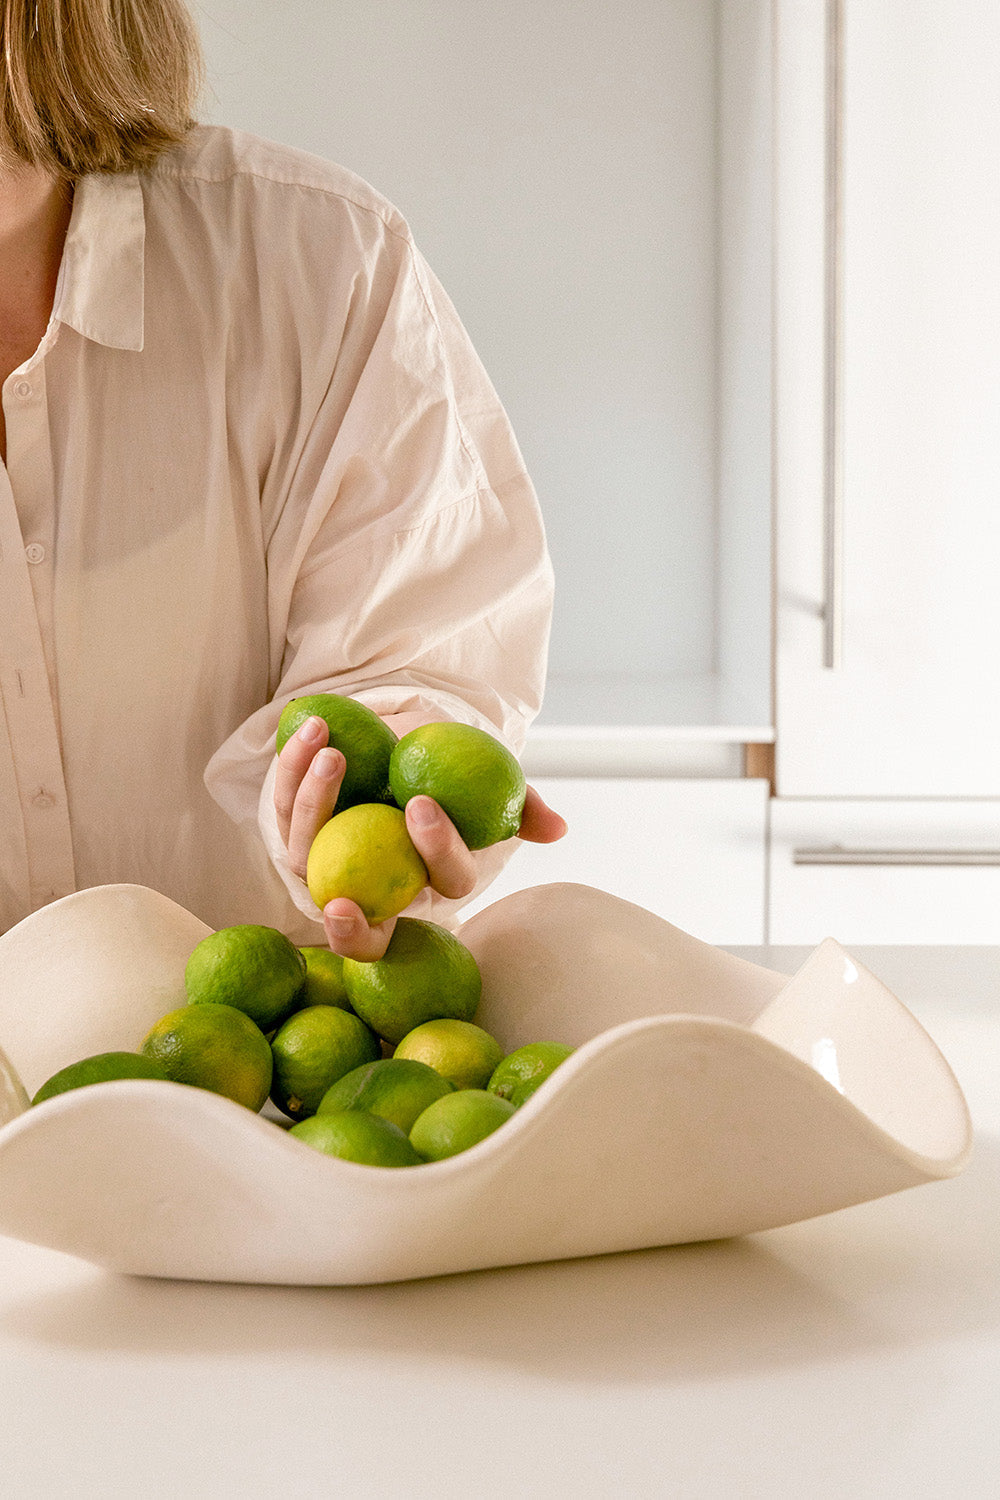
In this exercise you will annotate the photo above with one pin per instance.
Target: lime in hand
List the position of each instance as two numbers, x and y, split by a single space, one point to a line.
365 741
477 781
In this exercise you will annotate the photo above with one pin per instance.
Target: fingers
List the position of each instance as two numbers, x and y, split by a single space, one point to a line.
348 933
539 824
305 789
450 865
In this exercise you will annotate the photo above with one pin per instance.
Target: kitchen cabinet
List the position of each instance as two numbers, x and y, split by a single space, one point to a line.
692 850
887 467
887 391
893 871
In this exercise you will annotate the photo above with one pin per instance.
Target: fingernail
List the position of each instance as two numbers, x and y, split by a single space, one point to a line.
311 730
339 926
423 811
326 764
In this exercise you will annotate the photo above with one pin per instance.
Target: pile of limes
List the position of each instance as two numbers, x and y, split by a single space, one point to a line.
364 851
380 1063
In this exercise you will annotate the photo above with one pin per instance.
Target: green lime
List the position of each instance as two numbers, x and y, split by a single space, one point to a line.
457 1121
477 781
215 1047
365 741
424 973
356 1135
367 855
256 969
102 1068
397 1089
314 1048
463 1053
520 1073
324 979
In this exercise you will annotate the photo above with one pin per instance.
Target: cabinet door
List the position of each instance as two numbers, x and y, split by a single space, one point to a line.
884 872
693 851
913 708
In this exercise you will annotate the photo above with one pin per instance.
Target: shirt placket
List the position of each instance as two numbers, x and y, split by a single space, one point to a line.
27 680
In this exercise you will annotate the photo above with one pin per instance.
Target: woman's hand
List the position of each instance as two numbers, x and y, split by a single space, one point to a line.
305 792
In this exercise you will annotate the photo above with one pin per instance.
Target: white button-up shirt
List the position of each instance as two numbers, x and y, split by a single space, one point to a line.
254 456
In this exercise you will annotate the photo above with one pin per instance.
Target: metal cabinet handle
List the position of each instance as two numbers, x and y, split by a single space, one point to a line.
833 406
836 854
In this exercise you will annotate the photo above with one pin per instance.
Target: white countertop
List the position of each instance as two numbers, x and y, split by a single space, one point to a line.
854 1355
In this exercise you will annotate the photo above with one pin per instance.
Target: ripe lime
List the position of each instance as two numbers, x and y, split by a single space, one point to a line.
520 1073
356 1135
324 979
425 972
463 1053
215 1047
256 969
457 1121
101 1068
366 854
398 1090
470 774
365 741
314 1048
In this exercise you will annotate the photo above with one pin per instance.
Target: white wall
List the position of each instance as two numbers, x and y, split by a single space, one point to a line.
557 161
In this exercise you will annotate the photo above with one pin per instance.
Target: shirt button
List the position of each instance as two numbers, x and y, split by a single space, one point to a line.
22 389
35 552
43 799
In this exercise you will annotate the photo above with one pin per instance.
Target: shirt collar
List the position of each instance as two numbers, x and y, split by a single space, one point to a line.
100 291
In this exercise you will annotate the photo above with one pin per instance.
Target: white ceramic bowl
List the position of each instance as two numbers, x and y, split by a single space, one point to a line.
707 1097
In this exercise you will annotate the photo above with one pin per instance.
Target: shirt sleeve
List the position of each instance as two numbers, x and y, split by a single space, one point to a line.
406 557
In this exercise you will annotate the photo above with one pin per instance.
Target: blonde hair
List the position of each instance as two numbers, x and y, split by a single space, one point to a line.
95 85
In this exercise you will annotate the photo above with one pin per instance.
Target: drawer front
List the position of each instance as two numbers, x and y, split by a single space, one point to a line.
693 851
884 871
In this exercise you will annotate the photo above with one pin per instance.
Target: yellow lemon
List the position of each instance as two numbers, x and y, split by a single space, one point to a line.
477 781
365 853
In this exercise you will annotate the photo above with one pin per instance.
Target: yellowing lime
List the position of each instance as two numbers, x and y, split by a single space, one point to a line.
215 1047
521 1072
463 1053
365 741
457 1121
398 1090
256 969
366 854
424 973
477 781
314 1048
324 978
356 1135
102 1068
